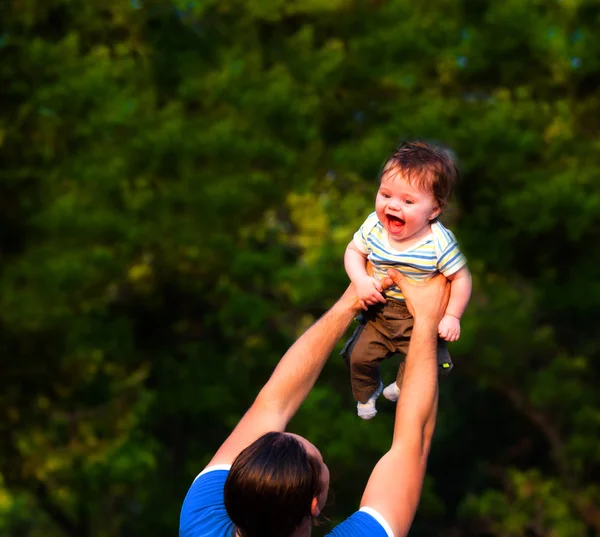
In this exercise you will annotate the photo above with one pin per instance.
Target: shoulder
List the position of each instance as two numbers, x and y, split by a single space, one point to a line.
441 233
443 238
369 224
203 510
449 257
367 521
363 238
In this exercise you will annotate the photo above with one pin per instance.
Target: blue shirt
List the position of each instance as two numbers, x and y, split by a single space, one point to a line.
203 512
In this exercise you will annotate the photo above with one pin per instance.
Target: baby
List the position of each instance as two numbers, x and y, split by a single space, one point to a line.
403 233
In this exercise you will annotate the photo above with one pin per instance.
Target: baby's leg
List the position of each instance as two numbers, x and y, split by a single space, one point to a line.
400 374
400 324
445 365
392 391
363 353
444 361
364 356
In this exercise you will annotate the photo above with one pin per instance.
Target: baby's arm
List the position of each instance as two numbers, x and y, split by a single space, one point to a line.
460 292
368 288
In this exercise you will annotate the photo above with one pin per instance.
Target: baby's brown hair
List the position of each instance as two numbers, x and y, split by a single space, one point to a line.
426 166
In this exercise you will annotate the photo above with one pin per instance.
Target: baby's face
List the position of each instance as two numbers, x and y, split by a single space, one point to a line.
404 209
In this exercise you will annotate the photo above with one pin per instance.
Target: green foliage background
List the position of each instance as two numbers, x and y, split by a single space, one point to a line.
179 180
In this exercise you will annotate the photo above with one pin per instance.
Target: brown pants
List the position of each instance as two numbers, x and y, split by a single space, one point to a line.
384 331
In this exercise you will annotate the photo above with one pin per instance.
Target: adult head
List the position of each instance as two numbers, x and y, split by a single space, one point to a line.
276 485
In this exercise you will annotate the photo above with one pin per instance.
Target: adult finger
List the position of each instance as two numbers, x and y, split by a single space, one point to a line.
396 277
386 282
426 300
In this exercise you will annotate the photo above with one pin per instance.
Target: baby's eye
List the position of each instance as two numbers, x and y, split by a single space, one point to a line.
408 202
387 196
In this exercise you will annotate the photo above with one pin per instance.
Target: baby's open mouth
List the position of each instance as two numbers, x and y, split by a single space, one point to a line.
395 224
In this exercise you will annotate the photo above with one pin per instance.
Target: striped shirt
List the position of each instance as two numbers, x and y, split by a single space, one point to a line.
437 252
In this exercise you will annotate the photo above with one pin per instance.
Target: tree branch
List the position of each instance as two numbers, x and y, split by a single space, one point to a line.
58 516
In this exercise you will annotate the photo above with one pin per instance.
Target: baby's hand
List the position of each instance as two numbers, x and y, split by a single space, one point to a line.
449 328
369 291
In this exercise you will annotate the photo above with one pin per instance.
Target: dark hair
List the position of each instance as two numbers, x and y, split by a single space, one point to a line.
271 485
427 166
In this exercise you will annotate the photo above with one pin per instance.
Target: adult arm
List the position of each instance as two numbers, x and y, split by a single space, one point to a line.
394 487
292 379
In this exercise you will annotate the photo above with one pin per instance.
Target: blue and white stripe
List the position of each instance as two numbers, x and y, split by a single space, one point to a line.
437 252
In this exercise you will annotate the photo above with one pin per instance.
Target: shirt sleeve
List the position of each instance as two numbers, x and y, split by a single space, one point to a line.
360 237
203 512
362 523
450 259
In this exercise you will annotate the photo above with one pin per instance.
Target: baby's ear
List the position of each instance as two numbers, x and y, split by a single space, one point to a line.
435 212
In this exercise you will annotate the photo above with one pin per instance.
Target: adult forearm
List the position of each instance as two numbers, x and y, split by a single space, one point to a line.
298 370
291 381
417 406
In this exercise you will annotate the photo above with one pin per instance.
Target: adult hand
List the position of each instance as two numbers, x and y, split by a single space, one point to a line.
425 300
